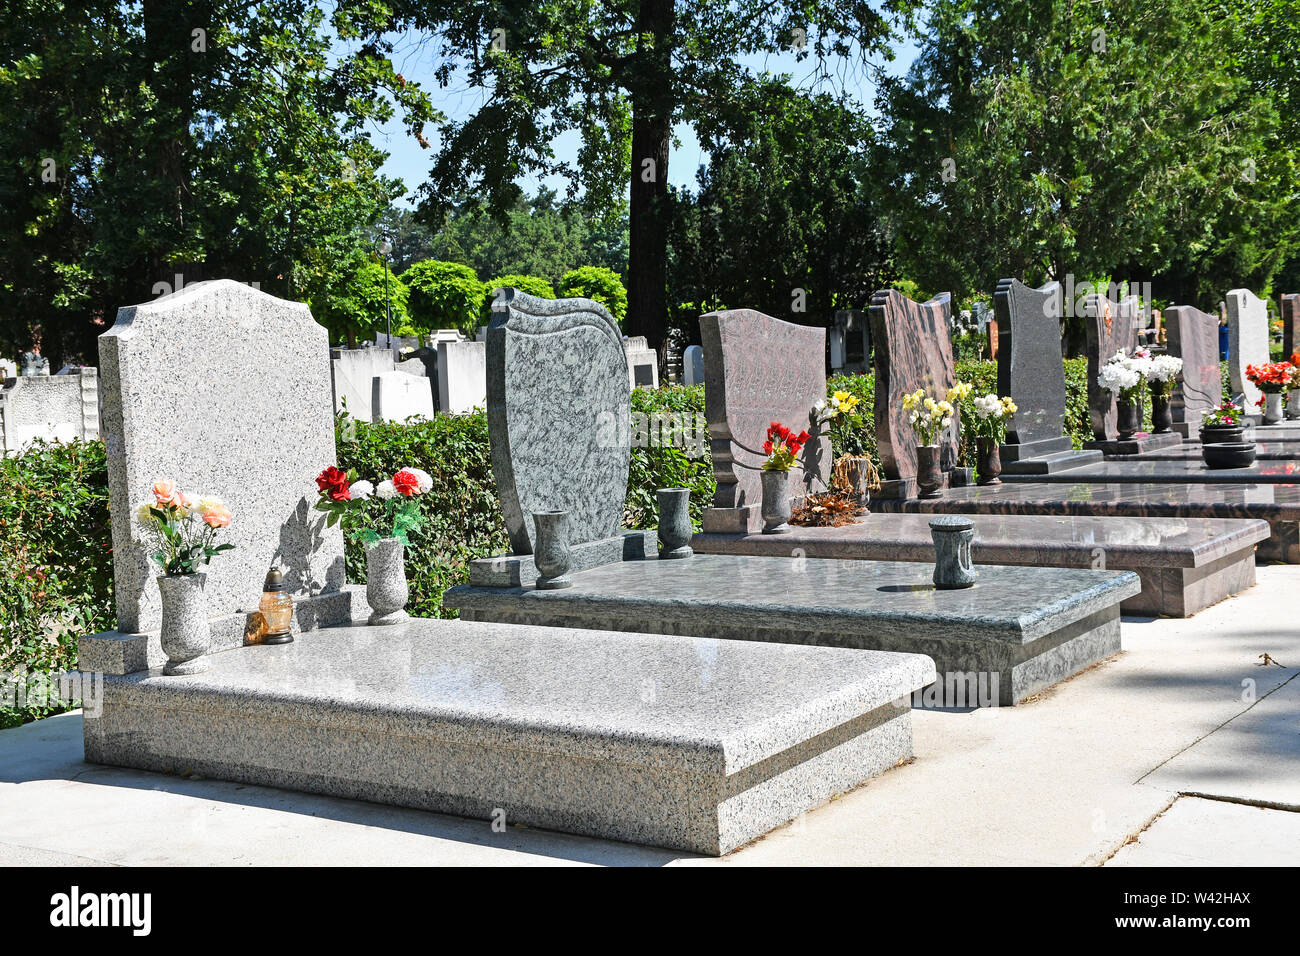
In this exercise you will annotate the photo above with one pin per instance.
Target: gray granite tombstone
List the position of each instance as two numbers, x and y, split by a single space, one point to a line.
912 351
558 404
1111 327
1247 342
1193 336
758 370
255 436
693 365
1290 315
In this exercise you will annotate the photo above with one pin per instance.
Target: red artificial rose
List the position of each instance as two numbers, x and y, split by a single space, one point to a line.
406 483
333 483
803 438
767 447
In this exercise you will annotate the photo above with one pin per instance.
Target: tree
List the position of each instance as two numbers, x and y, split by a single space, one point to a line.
621 73
1046 138
354 305
210 139
784 220
444 295
598 284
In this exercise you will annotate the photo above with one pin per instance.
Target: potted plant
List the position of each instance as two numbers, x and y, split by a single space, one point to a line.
1272 379
782 448
1161 372
1122 376
182 530
381 518
928 418
987 418
1223 424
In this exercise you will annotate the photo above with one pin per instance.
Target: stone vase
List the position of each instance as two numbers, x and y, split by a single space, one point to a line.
857 472
386 589
185 634
1162 416
1272 408
953 566
1215 434
674 522
551 550
988 456
1293 404
929 478
776 501
1126 418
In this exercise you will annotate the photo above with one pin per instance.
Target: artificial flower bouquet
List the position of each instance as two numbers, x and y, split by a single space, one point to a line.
1226 415
840 407
1123 374
369 512
988 416
1271 378
782 447
928 417
182 528
1161 371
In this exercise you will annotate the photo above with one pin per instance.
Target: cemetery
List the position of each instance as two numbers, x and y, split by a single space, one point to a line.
816 513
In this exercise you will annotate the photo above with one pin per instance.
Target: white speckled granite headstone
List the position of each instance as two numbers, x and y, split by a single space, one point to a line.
757 370
1247 342
558 404
223 389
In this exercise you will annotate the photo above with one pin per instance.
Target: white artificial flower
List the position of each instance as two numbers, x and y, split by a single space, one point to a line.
361 490
423 478
386 489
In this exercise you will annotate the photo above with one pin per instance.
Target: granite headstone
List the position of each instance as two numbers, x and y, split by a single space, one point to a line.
1193 336
54 408
397 396
1111 327
1290 316
758 370
1030 368
352 379
251 436
8 369
911 351
462 376
642 362
558 405
1247 342
693 365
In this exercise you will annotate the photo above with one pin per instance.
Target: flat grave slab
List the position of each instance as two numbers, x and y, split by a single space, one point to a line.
1185 564
690 743
1277 504
1136 445
1146 470
1016 632
1191 451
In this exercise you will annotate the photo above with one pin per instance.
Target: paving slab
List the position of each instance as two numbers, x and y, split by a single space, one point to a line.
1197 832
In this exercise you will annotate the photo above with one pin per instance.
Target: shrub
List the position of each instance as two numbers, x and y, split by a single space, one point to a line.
599 284
444 295
661 462
533 285
56 571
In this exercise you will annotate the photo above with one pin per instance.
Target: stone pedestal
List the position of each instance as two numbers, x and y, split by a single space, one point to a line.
1136 445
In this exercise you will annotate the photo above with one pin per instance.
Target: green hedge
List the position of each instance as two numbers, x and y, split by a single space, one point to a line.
444 295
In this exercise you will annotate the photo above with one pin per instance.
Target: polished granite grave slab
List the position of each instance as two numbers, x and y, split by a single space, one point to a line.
1185 564
696 744
1191 451
1146 470
1142 442
1015 633
1277 504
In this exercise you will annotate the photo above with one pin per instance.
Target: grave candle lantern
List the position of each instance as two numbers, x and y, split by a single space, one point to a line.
277 608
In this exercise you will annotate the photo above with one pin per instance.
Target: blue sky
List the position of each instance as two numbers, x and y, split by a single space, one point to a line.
416 62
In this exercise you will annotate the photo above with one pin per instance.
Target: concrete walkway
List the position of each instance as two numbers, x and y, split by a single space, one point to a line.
1092 772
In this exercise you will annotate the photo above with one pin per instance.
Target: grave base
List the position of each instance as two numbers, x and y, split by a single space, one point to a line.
1135 445
899 488
1049 463
1015 633
697 745
1184 565
518 570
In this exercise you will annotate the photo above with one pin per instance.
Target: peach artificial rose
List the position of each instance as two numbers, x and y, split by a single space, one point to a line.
165 492
217 516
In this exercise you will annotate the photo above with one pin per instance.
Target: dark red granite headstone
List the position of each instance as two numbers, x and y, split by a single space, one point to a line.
992 329
912 351
757 370
1193 336
1112 327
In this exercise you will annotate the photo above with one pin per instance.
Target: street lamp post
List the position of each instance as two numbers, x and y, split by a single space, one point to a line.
386 250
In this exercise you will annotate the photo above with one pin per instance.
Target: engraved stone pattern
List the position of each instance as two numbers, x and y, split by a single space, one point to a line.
911 351
1193 336
1030 369
255 436
759 370
1290 315
1106 336
558 415
1247 342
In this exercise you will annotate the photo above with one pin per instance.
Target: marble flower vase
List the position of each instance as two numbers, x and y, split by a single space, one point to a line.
929 476
1127 419
988 460
185 635
1272 408
776 501
1293 404
1162 415
674 522
551 550
386 588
